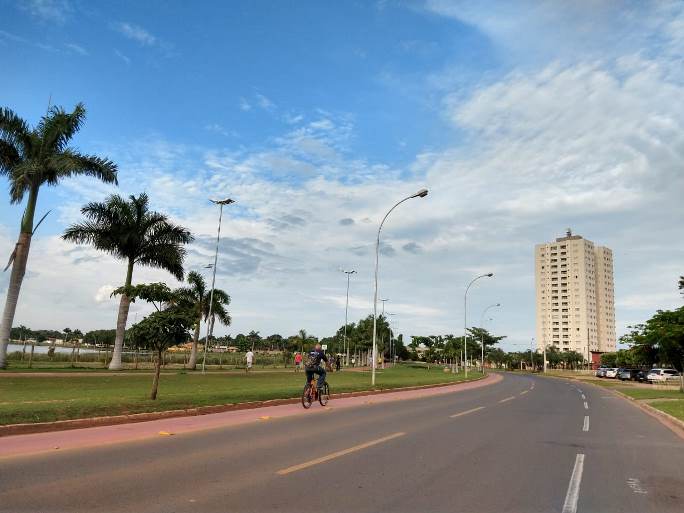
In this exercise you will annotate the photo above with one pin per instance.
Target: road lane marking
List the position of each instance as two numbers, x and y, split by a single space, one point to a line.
524 392
466 412
636 487
586 405
507 399
584 397
337 454
585 427
571 498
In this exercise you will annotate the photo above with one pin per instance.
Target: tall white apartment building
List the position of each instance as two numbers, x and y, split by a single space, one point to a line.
575 295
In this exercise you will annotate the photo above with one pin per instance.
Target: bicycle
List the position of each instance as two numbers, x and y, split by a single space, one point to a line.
311 394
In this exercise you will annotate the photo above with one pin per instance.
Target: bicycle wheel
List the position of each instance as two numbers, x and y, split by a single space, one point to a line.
324 394
306 396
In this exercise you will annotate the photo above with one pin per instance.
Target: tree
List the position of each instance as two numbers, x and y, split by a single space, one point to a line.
31 158
660 339
155 293
197 297
159 331
130 231
105 337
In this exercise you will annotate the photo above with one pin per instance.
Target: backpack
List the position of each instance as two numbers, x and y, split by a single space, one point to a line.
312 360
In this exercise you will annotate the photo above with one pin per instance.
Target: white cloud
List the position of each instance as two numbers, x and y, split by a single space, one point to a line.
595 144
136 33
123 57
244 105
77 49
55 11
104 294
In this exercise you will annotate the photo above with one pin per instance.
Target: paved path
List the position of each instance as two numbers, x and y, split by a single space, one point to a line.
525 444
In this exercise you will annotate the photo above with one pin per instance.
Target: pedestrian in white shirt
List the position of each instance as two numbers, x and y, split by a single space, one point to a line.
250 359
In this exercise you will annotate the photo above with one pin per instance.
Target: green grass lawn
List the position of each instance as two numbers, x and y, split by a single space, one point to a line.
650 393
72 396
674 408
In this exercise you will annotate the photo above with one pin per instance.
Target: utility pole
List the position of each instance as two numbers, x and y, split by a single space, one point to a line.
346 314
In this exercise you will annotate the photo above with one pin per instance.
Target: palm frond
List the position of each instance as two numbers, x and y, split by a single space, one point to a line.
14 130
57 127
9 157
69 163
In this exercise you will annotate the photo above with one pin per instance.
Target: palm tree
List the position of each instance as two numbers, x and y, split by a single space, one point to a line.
197 298
31 158
129 230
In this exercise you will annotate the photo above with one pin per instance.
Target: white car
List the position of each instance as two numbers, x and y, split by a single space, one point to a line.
661 375
611 373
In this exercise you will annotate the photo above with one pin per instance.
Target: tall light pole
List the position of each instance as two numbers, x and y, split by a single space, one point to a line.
482 328
420 194
531 357
210 324
346 313
465 320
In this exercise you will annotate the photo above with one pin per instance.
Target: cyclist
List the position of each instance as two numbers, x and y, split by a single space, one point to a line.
313 366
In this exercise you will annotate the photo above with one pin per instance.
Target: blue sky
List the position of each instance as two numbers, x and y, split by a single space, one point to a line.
522 118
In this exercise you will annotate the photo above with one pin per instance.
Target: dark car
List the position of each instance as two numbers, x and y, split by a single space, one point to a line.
641 376
628 374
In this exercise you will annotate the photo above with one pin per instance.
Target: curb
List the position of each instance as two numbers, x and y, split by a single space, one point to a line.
672 423
64 425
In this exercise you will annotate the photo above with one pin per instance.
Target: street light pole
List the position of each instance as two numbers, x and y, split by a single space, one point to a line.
465 320
210 325
531 358
420 194
346 313
482 328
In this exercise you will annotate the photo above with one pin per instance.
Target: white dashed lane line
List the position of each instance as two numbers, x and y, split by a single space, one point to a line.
586 405
585 426
571 498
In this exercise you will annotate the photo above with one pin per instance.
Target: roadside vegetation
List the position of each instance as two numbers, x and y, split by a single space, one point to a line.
73 395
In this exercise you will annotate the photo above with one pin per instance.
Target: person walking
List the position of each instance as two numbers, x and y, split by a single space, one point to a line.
250 359
298 361
337 363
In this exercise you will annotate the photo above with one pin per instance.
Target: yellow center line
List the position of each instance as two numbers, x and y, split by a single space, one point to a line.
466 412
337 454
507 399
524 392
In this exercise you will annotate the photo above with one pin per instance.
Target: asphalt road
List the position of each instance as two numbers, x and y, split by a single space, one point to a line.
521 445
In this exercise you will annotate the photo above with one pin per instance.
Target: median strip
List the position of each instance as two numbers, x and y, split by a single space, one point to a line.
337 454
466 412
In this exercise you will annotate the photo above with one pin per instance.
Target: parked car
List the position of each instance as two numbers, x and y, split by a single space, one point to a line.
601 372
628 374
612 372
642 375
661 375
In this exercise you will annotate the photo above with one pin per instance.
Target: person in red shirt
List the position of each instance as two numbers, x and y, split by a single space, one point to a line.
298 362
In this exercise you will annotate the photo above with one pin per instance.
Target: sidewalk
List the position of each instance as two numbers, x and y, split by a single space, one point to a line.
21 445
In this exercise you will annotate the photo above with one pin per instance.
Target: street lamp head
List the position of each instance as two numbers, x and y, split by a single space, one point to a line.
226 201
420 194
489 275
498 304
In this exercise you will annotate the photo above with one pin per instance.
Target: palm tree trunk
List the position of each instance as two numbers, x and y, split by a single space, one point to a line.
124 305
17 276
195 339
155 380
